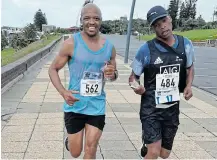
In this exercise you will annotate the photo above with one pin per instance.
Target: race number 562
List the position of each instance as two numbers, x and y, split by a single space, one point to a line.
92 88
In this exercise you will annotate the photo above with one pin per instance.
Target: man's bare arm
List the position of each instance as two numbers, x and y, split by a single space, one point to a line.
110 70
190 75
113 62
134 82
134 77
59 62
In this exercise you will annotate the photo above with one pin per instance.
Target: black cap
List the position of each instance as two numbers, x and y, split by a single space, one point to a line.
155 13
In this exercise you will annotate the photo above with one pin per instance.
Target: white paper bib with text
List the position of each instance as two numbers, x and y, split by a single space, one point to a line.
91 84
167 89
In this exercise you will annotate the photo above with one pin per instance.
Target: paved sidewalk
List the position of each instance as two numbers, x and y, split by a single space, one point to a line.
33 128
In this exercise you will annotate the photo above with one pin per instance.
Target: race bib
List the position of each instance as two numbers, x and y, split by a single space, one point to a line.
162 97
91 84
167 83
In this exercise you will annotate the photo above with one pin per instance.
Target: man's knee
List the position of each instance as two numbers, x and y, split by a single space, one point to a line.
75 153
75 150
90 148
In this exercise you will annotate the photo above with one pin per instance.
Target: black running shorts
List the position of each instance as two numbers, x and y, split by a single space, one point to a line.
160 124
75 122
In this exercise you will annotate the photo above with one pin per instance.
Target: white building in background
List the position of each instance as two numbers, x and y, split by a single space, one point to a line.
10 32
6 31
11 28
48 28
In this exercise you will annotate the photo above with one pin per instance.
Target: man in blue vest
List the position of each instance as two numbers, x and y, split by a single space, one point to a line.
91 60
167 64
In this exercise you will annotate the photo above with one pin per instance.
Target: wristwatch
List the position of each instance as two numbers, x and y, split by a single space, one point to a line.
116 74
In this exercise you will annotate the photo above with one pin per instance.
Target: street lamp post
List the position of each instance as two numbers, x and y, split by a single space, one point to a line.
129 32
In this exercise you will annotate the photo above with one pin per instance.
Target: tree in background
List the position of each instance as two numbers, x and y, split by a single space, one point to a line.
187 11
190 24
201 22
15 42
139 25
118 26
62 30
193 11
105 28
29 33
39 19
18 42
22 42
45 18
28 36
173 11
190 9
182 13
4 42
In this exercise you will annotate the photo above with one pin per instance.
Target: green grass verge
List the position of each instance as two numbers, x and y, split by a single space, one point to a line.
9 55
194 35
7 52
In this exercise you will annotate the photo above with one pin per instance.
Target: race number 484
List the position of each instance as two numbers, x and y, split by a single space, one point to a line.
168 83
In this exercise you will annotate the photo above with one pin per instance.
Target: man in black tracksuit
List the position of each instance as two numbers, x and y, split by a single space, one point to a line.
167 64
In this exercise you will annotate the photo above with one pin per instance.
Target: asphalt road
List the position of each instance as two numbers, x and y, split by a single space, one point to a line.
205 65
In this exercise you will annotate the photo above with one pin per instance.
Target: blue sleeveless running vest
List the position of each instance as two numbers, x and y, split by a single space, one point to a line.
84 59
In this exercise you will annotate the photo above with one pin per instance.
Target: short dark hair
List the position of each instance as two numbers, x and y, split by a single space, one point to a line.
90 4
86 2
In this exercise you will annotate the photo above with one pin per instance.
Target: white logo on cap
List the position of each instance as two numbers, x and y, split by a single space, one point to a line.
153 13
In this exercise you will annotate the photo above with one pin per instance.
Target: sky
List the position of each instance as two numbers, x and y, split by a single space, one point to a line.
65 13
